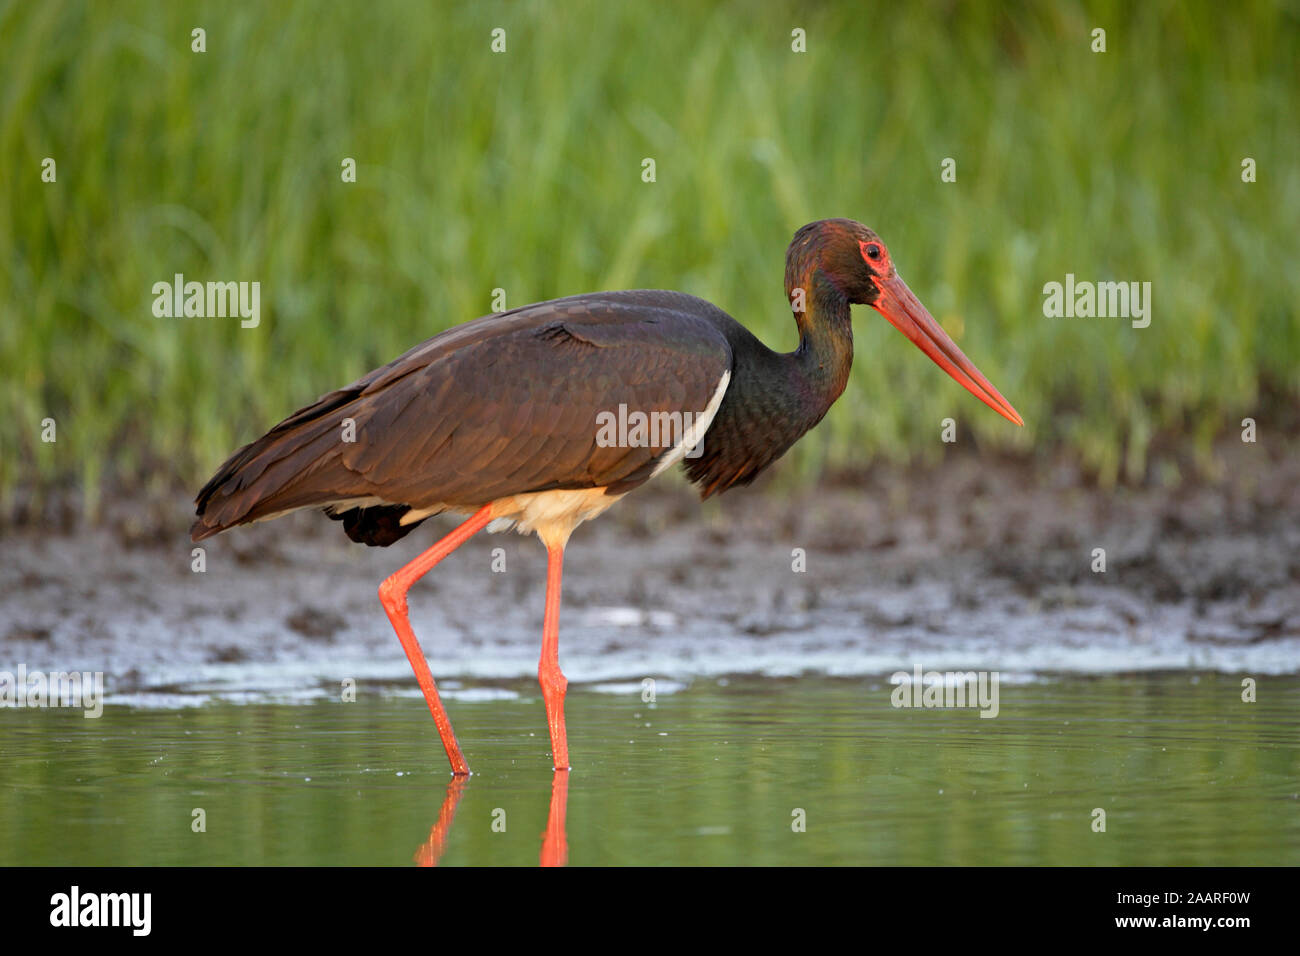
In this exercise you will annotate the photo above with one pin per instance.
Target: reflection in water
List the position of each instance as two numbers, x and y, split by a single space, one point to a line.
555 843
1204 779
431 851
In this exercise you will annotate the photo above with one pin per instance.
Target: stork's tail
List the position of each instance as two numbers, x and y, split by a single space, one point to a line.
277 473
297 464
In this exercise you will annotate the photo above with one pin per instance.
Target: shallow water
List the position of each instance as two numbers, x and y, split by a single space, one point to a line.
713 773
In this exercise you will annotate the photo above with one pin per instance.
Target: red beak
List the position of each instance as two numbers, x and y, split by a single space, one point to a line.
909 316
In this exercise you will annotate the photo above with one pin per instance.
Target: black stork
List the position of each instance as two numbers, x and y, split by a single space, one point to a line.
500 419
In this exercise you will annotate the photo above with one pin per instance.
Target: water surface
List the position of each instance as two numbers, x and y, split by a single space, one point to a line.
718 772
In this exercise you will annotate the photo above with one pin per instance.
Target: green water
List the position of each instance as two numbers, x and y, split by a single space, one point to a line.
1186 772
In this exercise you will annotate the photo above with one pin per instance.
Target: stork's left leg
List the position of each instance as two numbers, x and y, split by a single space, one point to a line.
552 679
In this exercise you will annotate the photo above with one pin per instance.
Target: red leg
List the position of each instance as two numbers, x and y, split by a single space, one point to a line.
548 670
393 595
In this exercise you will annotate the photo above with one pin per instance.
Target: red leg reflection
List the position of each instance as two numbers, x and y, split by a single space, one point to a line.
555 844
431 851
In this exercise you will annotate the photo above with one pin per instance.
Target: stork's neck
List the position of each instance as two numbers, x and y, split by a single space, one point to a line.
824 358
774 398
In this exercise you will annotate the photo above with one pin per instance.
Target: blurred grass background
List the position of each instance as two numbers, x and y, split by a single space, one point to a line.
522 170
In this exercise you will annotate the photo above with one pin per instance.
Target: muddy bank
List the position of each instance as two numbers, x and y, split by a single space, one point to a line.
978 563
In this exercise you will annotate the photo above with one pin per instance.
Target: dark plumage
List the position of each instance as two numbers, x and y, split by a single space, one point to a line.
507 404
500 417
502 405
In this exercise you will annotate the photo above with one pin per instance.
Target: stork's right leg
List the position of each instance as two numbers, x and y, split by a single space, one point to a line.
552 679
393 595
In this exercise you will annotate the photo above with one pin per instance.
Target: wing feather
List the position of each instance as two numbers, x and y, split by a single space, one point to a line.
500 406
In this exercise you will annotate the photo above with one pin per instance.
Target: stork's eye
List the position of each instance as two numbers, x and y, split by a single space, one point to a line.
873 251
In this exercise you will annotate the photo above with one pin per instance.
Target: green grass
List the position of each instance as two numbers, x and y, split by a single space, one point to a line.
523 171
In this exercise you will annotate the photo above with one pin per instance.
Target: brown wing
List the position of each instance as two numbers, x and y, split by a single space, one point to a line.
499 406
